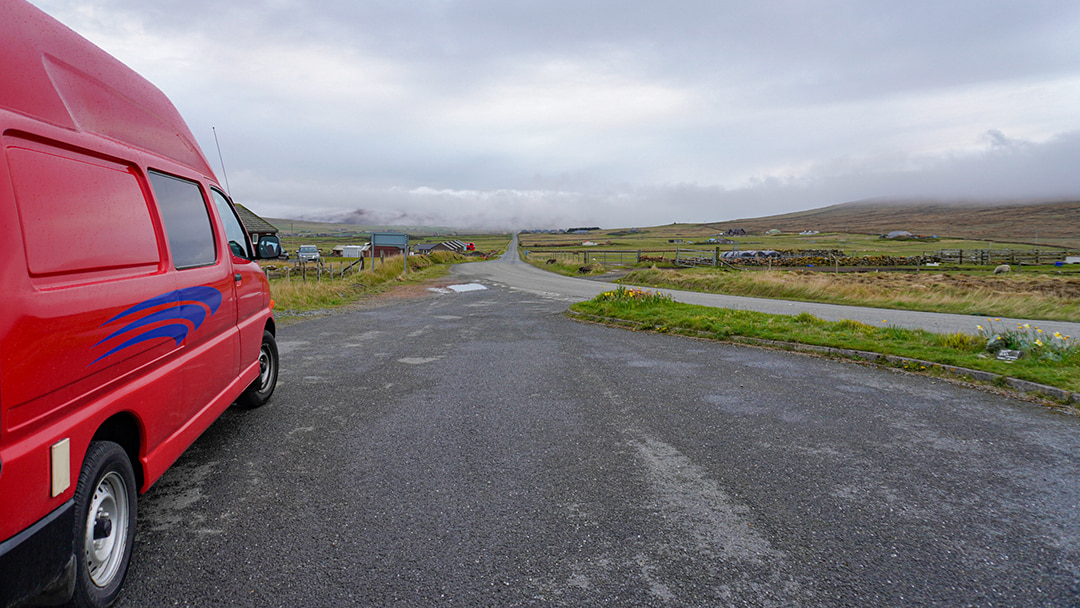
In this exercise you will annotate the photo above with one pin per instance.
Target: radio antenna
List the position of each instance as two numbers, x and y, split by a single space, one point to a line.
222 161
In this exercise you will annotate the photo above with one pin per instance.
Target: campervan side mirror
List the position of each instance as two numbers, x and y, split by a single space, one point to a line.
269 247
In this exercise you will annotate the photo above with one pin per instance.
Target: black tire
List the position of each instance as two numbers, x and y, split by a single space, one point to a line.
263 387
105 516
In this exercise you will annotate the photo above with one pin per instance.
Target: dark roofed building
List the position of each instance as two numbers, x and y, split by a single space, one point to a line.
454 246
255 225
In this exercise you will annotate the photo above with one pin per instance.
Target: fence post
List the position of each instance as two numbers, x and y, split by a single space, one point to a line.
716 257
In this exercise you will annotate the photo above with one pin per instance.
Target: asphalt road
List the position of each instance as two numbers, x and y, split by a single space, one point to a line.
511 272
480 449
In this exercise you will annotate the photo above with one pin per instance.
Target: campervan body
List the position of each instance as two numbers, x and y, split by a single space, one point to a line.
132 309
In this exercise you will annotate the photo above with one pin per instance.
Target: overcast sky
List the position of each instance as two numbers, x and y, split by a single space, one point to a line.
615 113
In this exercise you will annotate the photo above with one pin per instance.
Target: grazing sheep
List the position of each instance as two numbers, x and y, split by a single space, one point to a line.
1004 268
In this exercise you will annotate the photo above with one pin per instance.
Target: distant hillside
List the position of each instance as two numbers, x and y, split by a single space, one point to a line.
309 226
1055 224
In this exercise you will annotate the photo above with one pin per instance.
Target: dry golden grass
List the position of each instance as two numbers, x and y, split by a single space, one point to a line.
1028 296
292 295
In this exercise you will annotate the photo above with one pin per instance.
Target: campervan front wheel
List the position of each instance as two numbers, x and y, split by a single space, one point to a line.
105 524
260 390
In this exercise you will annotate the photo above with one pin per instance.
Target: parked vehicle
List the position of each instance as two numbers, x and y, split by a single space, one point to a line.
133 310
308 253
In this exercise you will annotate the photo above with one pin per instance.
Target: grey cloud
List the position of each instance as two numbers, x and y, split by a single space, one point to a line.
613 111
996 175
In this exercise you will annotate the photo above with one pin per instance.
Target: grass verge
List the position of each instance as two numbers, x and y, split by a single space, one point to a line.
293 296
915 350
1023 296
568 269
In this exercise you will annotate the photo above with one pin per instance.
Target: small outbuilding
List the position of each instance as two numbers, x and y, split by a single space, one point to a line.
453 246
350 251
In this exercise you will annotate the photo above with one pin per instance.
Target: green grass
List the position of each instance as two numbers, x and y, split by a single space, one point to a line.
1028 295
565 268
296 296
1054 366
657 239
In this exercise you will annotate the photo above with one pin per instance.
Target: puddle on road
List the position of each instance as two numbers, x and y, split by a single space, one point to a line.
418 360
467 287
458 288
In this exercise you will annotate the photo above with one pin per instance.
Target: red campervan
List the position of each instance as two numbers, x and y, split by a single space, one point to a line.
132 312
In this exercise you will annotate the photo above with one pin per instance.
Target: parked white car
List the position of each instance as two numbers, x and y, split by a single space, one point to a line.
308 253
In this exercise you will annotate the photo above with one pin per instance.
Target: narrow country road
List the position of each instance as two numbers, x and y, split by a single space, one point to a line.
474 447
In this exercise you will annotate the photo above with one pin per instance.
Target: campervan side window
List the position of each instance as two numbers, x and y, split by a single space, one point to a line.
187 220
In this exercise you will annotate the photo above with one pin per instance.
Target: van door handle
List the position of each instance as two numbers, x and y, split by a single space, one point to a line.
238 277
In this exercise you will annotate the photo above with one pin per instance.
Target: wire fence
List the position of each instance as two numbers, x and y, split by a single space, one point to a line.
689 257
319 270
991 257
605 257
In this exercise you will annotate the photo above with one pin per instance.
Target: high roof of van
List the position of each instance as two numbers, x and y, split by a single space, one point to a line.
51 73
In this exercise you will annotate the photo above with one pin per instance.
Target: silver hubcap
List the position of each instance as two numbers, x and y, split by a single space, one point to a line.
106 529
264 369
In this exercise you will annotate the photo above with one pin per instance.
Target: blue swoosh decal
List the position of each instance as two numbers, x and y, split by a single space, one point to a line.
191 312
207 295
176 331
186 311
